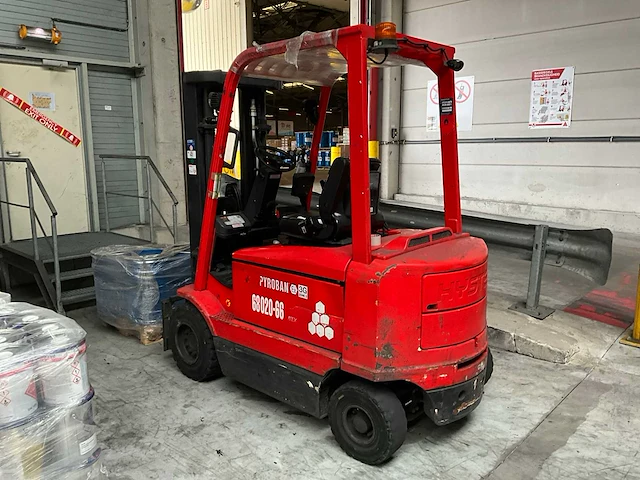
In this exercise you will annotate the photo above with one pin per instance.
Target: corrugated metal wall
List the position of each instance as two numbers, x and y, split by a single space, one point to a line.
77 41
501 42
113 128
214 34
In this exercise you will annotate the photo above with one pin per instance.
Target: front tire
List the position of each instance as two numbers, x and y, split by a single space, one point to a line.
192 344
368 421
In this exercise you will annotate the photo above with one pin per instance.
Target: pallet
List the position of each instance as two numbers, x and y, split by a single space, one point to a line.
147 335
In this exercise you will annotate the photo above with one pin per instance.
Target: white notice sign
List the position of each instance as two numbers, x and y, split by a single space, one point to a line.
551 98
464 104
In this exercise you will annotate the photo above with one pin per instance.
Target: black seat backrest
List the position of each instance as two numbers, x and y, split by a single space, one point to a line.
332 198
301 185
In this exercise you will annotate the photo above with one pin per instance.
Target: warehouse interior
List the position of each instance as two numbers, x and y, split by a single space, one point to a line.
319 239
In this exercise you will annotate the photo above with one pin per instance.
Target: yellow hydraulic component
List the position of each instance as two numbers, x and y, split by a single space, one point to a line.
335 153
235 173
373 148
633 339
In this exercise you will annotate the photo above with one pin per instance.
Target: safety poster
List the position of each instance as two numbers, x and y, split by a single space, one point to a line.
551 98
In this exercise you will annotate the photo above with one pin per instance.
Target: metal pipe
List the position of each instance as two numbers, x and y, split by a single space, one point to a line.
11 204
6 196
585 252
537 263
56 264
32 215
162 180
2 234
164 220
148 197
127 195
150 200
43 232
43 190
174 212
592 139
153 167
104 195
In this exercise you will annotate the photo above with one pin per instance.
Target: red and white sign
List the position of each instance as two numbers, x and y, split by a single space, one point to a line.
464 104
551 98
43 120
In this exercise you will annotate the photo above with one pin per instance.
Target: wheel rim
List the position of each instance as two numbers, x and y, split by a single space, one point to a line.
187 343
358 425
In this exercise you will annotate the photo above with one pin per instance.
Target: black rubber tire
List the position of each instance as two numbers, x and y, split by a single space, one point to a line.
489 370
192 344
383 416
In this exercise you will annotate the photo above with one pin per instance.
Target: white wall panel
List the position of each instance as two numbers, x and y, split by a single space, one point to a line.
475 20
501 42
214 34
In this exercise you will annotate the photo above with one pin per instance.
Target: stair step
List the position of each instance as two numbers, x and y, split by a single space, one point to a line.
78 295
73 274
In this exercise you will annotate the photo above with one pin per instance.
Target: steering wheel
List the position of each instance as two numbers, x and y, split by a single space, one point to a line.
276 160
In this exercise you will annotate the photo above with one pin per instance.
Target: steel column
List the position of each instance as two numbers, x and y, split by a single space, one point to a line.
532 306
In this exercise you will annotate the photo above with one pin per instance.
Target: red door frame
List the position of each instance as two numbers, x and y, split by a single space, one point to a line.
352 44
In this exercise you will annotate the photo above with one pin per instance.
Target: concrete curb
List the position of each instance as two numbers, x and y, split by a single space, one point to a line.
560 338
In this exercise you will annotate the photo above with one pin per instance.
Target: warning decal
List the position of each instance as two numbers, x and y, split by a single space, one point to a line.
463 97
42 119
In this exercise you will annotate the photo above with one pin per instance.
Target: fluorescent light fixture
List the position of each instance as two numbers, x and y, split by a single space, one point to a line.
269 92
298 114
283 109
51 35
269 115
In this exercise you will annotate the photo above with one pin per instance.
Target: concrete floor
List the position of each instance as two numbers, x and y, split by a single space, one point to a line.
538 420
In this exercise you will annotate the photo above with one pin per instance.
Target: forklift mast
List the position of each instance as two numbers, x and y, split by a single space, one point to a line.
202 92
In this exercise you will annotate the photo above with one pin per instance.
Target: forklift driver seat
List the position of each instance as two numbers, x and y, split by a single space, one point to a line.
332 223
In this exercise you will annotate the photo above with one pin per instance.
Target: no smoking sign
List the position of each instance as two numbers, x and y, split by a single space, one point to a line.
464 91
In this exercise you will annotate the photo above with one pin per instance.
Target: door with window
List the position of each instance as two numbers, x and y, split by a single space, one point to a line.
59 164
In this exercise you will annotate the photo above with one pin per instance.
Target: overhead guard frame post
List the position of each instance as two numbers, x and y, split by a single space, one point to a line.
323 104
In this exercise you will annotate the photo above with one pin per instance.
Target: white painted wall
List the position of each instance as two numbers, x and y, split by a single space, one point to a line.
501 42
214 34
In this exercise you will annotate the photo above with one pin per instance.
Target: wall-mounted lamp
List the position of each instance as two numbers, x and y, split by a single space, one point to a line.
51 35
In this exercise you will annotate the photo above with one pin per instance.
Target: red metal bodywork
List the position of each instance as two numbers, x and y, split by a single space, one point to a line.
412 309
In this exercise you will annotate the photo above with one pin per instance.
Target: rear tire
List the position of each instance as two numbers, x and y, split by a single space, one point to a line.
192 344
368 421
489 370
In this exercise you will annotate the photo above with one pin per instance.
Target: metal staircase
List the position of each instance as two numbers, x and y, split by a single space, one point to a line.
60 264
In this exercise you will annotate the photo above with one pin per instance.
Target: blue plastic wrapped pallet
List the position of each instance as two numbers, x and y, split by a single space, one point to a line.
131 281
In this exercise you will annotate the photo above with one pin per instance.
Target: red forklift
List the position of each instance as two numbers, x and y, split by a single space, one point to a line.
329 310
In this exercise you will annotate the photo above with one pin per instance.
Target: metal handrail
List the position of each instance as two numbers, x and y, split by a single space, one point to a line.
31 175
148 197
